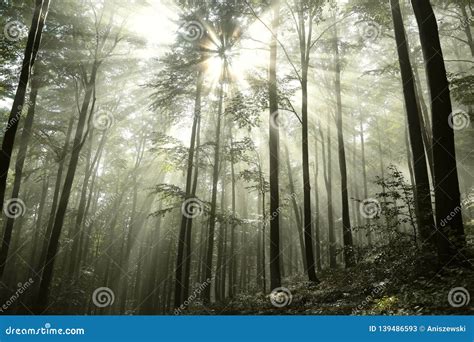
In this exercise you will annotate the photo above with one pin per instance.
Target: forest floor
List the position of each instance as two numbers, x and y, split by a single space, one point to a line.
369 288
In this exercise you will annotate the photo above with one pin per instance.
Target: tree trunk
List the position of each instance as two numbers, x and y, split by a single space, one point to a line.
467 27
187 254
328 183
57 189
31 49
274 143
346 221
450 237
20 162
233 239
39 221
364 171
422 194
215 179
183 231
296 210
316 200
307 217
53 245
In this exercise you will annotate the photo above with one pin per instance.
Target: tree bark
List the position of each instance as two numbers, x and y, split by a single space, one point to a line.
43 294
422 194
31 49
274 144
296 209
450 237
328 183
183 231
19 164
346 221
215 180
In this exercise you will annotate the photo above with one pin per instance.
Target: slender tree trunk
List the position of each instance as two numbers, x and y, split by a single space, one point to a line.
187 212
307 217
187 254
296 210
39 221
264 258
31 49
364 171
274 143
450 237
53 245
409 158
233 262
328 182
20 162
466 26
215 179
57 189
346 221
422 194
316 199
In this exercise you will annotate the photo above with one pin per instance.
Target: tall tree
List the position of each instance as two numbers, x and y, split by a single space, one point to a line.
305 42
346 221
420 169
215 180
274 144
186 217
450 236
31 49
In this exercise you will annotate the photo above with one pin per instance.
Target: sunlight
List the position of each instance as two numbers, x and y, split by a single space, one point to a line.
214 67
245 149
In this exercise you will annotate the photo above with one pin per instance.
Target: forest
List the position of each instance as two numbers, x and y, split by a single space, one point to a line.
236 157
